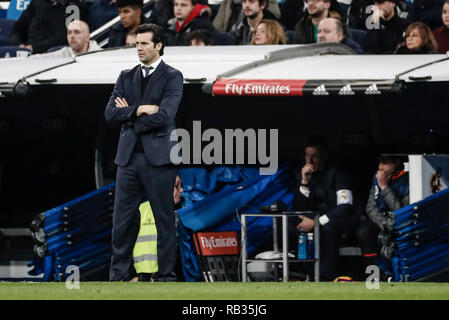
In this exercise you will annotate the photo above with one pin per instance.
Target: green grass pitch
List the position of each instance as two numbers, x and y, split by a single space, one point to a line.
223 291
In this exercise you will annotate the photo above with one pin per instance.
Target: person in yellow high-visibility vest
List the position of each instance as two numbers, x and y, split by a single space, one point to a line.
145 248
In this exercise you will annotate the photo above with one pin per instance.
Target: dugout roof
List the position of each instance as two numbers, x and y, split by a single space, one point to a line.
317 69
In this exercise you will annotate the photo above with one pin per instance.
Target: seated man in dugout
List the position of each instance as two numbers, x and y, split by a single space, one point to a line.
324 188
389 192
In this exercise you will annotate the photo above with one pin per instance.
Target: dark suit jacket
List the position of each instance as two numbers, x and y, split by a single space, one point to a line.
165 90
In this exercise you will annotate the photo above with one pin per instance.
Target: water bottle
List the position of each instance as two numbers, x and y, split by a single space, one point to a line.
302 250
310 246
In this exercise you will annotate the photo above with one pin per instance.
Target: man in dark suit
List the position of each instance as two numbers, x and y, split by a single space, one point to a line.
145 100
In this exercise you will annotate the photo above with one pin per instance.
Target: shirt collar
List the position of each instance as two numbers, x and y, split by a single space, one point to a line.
154 65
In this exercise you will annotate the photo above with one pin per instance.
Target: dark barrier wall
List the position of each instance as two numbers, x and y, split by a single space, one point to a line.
49 138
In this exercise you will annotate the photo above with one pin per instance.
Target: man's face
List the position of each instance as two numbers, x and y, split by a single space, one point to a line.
386 6
77 35
129 16
314 157
327 31
147 50
182 9
177 190
388 168
251 8
317 7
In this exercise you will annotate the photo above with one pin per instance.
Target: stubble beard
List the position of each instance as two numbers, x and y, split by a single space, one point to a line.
316 14
253 16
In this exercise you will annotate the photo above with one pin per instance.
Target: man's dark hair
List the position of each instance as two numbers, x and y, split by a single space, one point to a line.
158 34
261 2
132 3
201 34
398 161
317 141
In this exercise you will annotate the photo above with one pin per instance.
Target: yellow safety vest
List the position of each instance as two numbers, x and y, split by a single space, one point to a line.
145 249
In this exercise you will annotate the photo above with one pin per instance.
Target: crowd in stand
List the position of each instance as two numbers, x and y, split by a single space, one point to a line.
365 26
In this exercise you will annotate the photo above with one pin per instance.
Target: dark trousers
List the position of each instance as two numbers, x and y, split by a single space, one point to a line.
367 237
134 180
330 238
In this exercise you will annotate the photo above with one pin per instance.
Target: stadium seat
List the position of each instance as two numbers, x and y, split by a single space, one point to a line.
5 29
358 36
222 39
12 51
55 48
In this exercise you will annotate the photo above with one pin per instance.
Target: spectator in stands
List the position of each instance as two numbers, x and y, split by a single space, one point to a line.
323 187
42 26
253 11
231 13
199 38
442 34
268 32
426 11
419 39
101 12
189 16
388 28
306 30
78 36
331 30
131 17
389 192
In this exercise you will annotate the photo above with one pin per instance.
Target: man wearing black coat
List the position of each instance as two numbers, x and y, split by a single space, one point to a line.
145 101
386 29
43 25
324 188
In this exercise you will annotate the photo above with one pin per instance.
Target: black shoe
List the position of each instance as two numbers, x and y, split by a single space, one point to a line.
145 277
